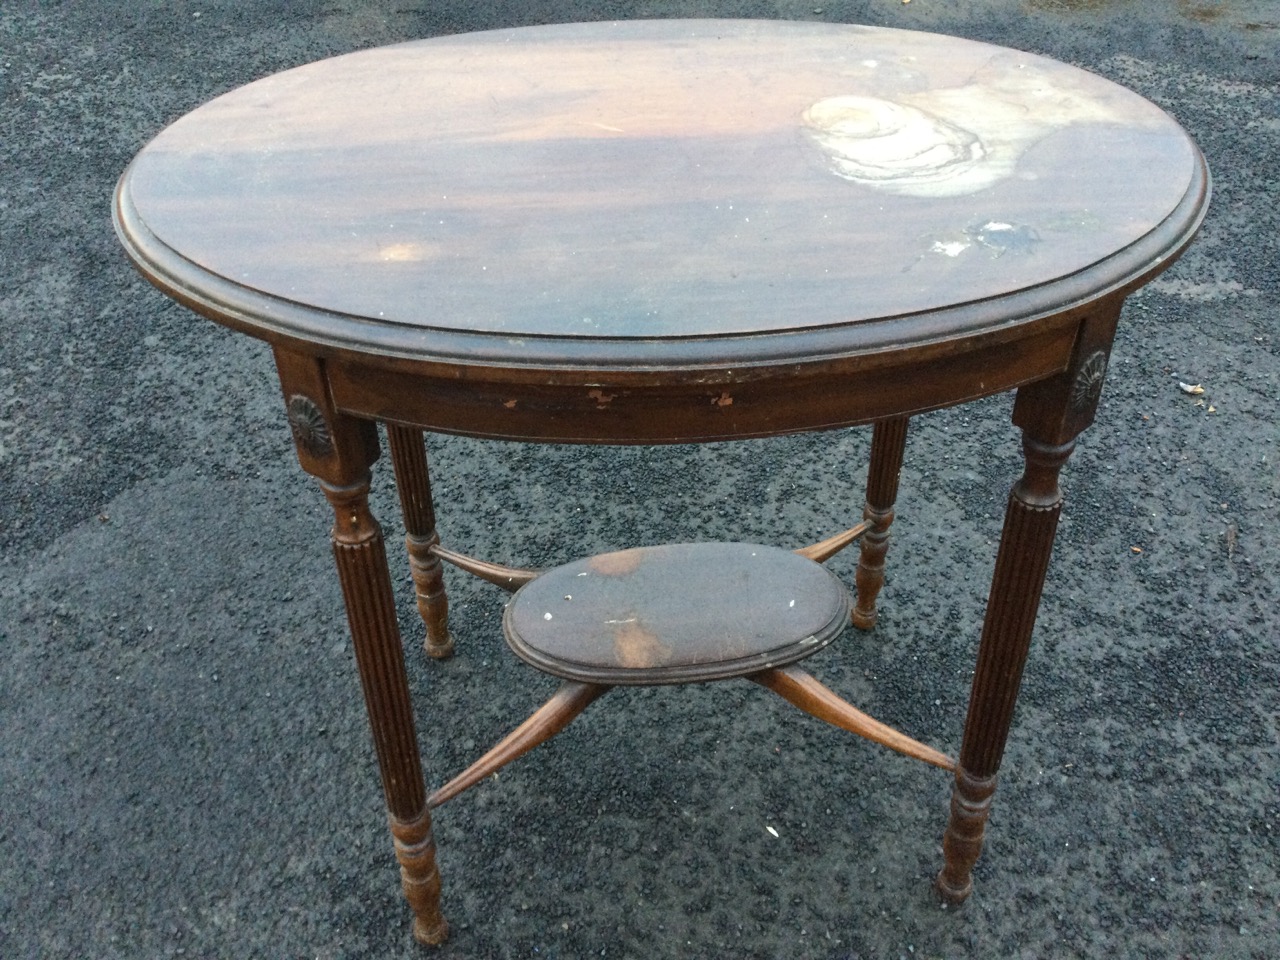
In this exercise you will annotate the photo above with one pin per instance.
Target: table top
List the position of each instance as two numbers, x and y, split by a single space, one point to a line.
666 191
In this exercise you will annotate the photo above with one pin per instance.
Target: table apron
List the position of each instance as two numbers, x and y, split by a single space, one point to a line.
686 407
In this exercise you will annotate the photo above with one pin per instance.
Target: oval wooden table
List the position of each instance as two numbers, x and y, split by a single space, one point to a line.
659 232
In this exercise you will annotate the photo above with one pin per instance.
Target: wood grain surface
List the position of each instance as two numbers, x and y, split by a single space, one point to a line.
656 179
679 613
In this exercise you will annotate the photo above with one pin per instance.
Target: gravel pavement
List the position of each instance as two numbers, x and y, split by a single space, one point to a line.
185 766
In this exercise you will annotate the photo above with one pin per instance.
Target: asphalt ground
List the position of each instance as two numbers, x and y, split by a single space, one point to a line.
185 767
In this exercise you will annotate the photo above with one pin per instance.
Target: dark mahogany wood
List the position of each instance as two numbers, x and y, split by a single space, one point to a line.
684 613
416 852
805 691
512 579
824 550
662 232
413 481
653 180
523 262
888 443
339 450
1051 414
794 685
1023 560
681 613
508 578
565 705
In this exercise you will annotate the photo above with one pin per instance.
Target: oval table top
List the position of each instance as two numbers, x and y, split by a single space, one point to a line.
665 191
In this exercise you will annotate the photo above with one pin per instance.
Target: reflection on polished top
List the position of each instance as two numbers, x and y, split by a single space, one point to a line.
661 178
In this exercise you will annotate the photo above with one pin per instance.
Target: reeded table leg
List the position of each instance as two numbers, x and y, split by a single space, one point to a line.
338 450
361 559
413 481
1051 414
1030 522
888 440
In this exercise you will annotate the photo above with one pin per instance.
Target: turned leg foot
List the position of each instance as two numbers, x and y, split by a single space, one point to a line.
962 843
416 851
